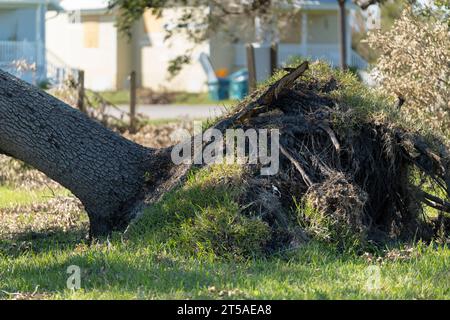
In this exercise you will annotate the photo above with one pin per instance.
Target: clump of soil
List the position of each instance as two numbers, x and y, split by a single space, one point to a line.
347 174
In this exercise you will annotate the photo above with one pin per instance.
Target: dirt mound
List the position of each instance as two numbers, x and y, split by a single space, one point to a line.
350 171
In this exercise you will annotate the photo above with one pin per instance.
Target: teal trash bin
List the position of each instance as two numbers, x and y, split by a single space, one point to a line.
219 90
239 84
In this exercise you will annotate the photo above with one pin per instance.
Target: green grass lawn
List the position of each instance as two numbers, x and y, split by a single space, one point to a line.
157 261
148 271
11 197
196 243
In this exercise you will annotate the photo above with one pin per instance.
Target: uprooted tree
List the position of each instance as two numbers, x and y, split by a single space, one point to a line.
108 173
358 174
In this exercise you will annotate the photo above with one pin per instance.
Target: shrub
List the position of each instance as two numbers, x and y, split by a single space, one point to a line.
415 65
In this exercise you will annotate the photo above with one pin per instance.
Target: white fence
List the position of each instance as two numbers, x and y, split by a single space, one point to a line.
23 59
286 52
58 72
29 61
18 50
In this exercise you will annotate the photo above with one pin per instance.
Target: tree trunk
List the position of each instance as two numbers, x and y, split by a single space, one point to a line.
105 171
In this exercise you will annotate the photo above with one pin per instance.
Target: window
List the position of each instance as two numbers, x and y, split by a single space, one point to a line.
74 17
289 27
91 26
152 23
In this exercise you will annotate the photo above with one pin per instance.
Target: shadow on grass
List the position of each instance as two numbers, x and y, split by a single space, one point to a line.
149 270
42 241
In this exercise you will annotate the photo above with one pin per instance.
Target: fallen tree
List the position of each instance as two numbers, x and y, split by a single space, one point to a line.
371 178
109 174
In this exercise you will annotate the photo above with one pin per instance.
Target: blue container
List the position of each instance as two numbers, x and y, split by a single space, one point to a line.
239 84
219 90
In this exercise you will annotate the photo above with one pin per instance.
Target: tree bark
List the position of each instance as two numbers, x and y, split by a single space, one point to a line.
104 170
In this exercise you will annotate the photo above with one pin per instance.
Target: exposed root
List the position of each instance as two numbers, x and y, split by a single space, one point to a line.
373 180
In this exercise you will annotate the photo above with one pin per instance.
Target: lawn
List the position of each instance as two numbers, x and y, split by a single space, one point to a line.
198 243
10 197
156 262
148 271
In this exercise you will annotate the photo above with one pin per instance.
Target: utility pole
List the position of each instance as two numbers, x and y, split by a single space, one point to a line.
133 125
342 34
80 103
251 68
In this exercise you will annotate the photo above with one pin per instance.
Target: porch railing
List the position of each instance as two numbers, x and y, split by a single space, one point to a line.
27 60
357 61
58 72
23 59
18 50
286 52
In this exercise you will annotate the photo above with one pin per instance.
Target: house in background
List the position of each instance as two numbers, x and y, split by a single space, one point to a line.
22 37
85 37
312 31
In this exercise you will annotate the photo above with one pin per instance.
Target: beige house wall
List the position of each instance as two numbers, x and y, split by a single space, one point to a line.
153 55
290 27
94 45
124 63
76 46
323 27
222 51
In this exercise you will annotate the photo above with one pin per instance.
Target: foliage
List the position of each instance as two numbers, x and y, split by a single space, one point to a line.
390 11
220 12
415 66
198 20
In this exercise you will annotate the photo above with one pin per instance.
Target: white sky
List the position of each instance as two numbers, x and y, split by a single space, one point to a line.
72 5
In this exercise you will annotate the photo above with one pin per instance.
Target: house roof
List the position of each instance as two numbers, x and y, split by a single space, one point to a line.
102 5
51 4
84 5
